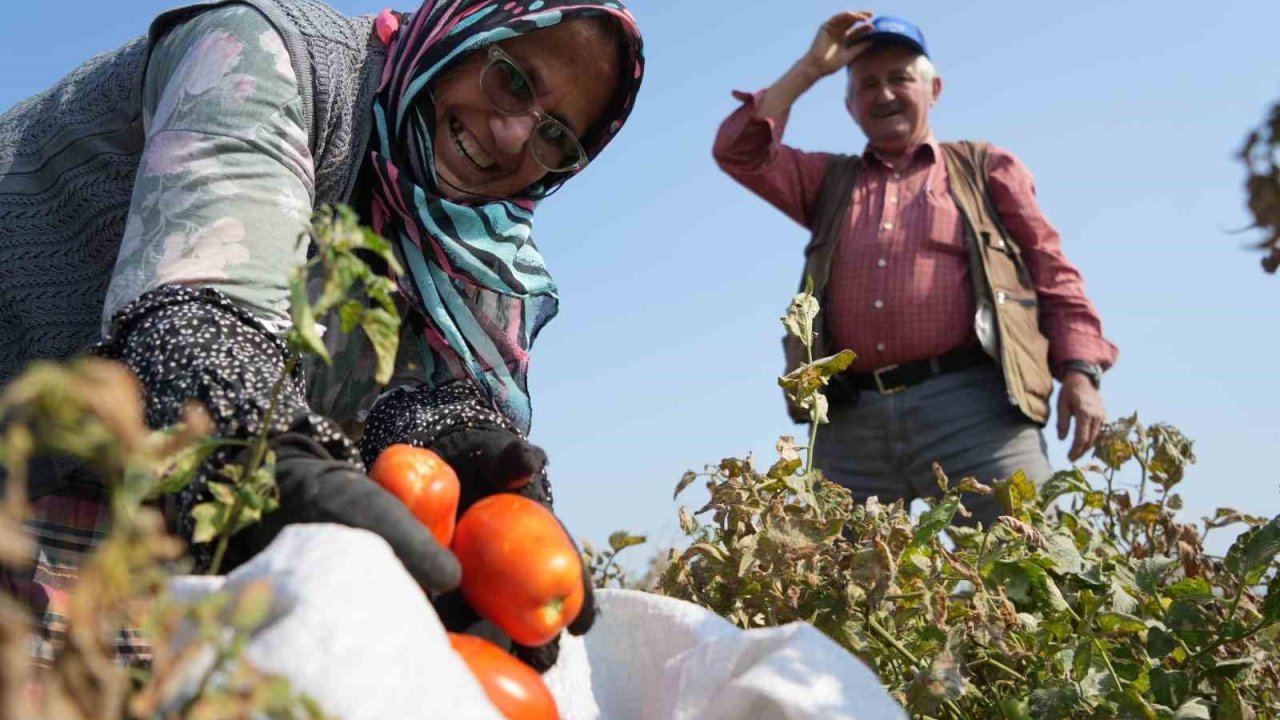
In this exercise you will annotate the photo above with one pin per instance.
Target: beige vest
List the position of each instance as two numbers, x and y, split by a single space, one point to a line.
1007 321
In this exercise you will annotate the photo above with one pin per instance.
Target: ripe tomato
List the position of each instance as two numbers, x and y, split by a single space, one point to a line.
424 483
514 688
520 570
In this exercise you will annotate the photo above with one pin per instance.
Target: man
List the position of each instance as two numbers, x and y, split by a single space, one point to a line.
934 263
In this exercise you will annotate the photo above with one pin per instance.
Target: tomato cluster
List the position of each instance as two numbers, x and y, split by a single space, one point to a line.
520 571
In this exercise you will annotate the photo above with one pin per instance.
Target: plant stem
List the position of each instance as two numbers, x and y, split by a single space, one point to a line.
1106 660
255 461
891 641
1002 667
813 421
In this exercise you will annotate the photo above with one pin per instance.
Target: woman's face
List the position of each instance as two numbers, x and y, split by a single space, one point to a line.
482 151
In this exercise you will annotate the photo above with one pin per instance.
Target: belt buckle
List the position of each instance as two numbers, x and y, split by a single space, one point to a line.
880 382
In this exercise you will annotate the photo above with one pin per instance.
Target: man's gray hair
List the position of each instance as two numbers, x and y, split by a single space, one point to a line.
922 66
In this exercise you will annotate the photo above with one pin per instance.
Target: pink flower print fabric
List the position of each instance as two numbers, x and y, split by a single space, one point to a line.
226 181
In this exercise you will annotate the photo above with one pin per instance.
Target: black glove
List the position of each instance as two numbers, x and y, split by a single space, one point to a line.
483 448
489 461
315 488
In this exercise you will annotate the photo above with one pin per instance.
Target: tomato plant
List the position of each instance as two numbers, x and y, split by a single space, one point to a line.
520 570
514 688
425 483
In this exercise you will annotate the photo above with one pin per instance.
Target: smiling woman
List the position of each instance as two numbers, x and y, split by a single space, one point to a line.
198 154
506 118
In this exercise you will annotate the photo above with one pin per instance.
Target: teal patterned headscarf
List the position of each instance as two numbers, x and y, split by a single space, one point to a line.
472 270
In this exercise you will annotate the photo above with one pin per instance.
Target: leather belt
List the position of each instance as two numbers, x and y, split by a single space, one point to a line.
893 379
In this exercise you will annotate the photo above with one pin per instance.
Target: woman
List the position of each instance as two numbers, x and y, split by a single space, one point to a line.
195 157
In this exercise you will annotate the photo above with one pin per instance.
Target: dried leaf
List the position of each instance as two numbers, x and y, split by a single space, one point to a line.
685 481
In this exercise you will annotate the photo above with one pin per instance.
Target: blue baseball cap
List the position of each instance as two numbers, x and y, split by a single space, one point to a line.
896 31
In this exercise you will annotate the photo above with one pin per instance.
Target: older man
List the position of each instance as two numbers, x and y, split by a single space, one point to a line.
935 264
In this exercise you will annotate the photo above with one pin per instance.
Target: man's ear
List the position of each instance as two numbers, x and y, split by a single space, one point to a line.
937 87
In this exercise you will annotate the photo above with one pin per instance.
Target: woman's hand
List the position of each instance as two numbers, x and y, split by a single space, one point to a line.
315 488
836 44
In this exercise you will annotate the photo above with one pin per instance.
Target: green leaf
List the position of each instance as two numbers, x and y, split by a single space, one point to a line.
785 468
383 330
801 487
1147 513
350 313
1160 642
1063 482
1015 708
1121 623
1060 547
1253 552
1057 703
185 466
1015 493
1271 605
800 316
210 519
1150 572
623 539
1230 669
222 493
1193 709
1194 589
1044 589
1168 687
304 322
935 520
1082 660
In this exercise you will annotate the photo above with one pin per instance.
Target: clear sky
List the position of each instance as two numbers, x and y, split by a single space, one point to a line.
672 277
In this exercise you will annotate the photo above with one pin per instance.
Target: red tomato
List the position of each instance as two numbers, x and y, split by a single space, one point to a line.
519 568
513 687
424 483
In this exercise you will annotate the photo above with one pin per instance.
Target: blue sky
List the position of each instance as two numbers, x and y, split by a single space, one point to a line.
673 278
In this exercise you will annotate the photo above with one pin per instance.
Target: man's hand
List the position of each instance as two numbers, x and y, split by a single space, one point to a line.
1080 400
836 44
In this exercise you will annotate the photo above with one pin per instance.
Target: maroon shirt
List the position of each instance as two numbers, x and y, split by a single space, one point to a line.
899 288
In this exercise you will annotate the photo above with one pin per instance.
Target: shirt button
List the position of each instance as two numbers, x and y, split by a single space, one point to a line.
897 176
878 304
888 226
880 347
893 200
882 262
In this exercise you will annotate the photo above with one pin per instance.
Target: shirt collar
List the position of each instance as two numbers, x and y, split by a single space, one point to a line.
928 151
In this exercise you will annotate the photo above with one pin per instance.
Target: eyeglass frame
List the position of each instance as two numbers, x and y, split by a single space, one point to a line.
496 55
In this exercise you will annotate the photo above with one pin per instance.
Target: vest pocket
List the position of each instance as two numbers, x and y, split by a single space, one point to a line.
1026 349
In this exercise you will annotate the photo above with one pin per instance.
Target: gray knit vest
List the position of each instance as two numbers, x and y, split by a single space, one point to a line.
68 157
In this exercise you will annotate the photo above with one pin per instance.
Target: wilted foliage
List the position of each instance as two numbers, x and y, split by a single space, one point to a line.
1261 155
90 410
1088 599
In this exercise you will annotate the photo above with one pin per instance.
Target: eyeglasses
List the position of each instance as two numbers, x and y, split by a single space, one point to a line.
554 146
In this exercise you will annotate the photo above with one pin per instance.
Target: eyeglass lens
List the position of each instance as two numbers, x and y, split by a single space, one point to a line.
507 87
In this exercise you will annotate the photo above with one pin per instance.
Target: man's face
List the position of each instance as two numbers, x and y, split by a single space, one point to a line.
890 98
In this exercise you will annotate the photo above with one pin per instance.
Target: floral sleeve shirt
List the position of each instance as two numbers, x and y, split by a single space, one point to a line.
226 181
226 187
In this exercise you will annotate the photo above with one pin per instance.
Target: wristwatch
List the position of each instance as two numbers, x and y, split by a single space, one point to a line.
1092 370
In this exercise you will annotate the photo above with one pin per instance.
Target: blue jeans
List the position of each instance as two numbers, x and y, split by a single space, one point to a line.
885 445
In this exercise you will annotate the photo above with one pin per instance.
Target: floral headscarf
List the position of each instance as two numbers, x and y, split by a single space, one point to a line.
471 267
